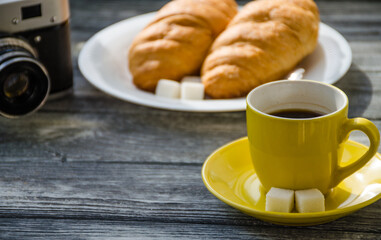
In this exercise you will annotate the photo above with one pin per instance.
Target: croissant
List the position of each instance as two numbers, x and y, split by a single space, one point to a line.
176 42
262 43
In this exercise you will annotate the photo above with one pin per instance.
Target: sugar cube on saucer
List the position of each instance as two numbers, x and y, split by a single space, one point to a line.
309 200
196 79
280 200
192 91
168 88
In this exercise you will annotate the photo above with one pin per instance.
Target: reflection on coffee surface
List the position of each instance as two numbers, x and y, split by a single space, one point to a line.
296 113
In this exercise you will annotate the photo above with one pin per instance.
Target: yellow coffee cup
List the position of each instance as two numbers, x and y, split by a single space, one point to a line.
299 152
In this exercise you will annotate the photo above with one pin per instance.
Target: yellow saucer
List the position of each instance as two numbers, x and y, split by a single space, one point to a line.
229 175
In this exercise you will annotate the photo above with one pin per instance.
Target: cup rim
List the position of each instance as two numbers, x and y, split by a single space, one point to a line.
249 105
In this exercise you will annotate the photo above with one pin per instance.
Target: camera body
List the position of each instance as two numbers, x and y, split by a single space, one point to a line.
35 54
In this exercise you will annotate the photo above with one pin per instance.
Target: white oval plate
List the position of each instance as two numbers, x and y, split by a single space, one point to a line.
103 62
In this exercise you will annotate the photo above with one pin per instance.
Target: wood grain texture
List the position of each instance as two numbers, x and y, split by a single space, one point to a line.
171 193
89 166
106 229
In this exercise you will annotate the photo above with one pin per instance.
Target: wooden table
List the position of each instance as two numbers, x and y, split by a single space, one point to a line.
89 166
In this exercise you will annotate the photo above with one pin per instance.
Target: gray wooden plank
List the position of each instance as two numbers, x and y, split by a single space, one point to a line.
355 19
145 136
113 230
133 192
149 136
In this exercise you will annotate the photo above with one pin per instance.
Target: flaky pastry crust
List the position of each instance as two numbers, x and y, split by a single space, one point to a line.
262 43
176 42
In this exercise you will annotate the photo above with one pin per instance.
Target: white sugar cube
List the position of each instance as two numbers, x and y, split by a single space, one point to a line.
309 200
168 88
280 200
192 91
191 79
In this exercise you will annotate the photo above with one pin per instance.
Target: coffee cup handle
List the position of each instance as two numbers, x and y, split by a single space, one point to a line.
373 134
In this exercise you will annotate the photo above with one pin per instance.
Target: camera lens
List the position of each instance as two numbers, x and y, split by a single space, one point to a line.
16 85
24 81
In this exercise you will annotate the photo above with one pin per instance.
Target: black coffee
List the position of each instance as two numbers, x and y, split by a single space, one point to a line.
296 113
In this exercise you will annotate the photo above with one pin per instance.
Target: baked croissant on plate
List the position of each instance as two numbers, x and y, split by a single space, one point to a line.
176 42
263 42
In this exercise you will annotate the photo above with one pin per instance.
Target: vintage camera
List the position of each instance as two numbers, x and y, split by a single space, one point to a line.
35 59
